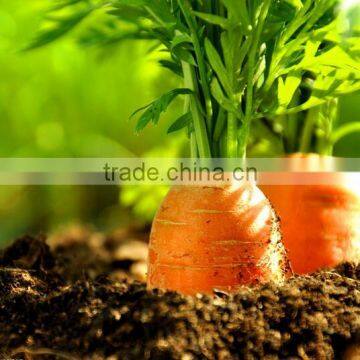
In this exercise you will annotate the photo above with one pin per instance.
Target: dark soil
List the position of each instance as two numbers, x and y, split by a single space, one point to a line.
79 300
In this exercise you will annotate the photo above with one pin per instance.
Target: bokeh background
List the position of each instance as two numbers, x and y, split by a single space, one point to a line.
69 101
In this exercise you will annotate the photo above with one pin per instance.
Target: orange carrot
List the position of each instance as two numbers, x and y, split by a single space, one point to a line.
320 223
206 238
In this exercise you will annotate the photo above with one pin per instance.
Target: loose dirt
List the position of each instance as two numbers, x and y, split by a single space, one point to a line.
80 299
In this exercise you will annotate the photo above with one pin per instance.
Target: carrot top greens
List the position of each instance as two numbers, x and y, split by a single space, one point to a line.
277 66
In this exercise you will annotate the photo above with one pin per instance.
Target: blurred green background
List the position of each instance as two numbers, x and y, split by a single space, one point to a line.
63 101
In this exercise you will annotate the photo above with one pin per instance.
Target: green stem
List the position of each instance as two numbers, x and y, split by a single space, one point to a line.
200 61
244 139
208 8
199 123
250 76
345 130
232 141
308 130
223 144
193 146
327 117
220 124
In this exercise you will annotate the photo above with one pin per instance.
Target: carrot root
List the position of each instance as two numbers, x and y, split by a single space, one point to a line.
206 238
320 223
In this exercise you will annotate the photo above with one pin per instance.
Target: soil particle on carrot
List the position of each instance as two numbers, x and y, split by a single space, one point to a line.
44 314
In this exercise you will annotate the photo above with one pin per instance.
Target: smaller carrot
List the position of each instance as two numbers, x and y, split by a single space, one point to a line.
320 222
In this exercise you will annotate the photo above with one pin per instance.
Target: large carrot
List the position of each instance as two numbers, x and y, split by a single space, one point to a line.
206 238
320 222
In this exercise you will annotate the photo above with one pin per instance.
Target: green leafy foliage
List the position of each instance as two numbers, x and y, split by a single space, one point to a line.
153 111
63 16
250 59
182 122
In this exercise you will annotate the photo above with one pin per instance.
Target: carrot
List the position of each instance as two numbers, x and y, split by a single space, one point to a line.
320 222
206 238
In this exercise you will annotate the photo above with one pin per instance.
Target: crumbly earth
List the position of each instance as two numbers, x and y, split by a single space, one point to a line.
79 300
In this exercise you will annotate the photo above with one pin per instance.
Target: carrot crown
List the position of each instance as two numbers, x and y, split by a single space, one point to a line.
272 67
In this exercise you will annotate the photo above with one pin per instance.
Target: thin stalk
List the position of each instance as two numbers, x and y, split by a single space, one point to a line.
223 144
291 128
290 123
250 77
232 121
215 151
199 123
326 120
345 130
208 8
200 62
232 141
244 139
193 146
220 124
308 130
